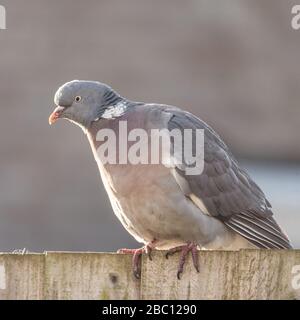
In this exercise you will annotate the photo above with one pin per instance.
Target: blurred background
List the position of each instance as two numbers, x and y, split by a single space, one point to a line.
233 63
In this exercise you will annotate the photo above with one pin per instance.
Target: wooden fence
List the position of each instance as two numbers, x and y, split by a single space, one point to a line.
245 274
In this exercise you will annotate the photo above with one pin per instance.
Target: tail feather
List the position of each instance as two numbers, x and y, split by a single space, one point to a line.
262 232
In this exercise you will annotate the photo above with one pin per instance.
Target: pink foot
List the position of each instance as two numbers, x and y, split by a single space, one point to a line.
189 247
137 255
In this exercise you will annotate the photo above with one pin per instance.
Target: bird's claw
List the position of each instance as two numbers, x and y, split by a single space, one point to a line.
179 273
136 259
189 247
173 251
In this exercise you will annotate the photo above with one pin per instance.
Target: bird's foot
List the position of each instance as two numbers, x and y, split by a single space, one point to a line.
185 249
137 255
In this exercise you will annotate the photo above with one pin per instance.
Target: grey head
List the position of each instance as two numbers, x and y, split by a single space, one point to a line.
83 102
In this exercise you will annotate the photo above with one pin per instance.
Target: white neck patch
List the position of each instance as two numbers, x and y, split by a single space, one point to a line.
115 111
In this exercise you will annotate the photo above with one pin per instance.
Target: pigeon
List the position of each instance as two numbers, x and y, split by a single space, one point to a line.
162 205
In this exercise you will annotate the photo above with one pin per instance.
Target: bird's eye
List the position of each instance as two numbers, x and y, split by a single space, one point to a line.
77 98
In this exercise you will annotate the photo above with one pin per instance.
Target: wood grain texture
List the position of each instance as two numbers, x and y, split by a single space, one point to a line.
245 274
89 276
21 276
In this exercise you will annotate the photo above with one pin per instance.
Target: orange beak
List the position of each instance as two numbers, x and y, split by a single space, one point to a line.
55 115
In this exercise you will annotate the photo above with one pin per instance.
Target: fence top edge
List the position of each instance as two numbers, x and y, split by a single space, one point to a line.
117 254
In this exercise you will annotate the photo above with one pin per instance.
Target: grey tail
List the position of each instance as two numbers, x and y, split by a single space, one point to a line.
263 232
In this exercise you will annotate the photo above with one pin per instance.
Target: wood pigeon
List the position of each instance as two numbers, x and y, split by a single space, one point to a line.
159 204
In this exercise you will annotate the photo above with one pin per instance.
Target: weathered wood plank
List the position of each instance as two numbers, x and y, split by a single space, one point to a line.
215 280
267 274
21 276
94 276
245 274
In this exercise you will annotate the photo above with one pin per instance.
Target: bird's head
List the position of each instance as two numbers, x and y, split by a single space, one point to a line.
83 102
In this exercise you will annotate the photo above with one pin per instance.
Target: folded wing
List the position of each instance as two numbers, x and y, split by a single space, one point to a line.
224 190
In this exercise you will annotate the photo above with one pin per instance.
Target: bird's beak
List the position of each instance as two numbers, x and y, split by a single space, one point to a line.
56 114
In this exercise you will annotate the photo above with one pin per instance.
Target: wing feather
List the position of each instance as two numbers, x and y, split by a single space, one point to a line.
225 190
